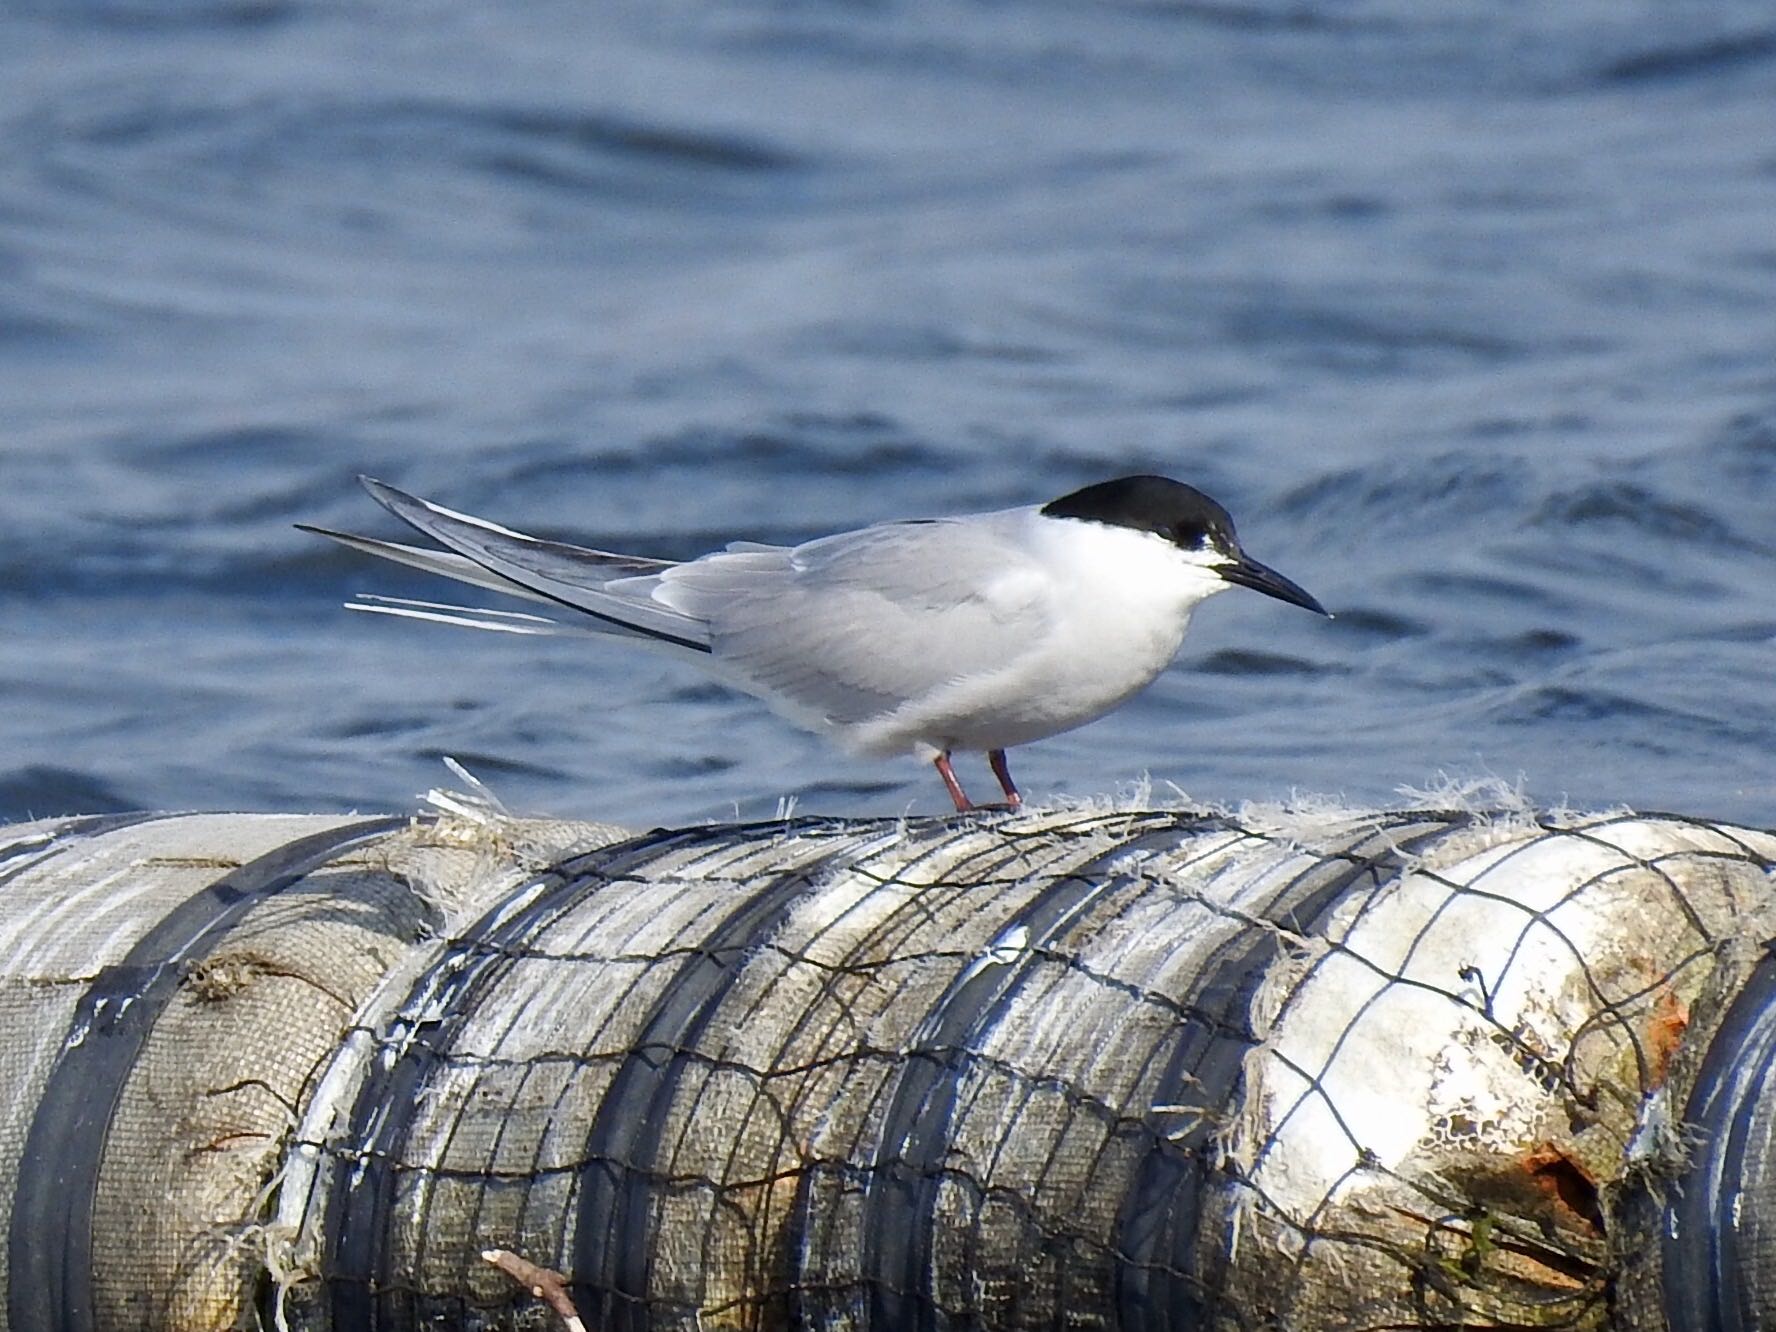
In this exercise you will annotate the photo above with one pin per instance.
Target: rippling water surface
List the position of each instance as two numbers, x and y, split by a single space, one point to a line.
1467 311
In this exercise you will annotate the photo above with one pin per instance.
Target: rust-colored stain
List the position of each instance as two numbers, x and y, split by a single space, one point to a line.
1566 1184
1665 1032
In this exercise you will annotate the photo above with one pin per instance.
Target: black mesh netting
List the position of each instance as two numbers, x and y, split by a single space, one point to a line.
1081 1069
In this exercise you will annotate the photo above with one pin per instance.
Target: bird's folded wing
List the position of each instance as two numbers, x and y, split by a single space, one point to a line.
852 627
450 565
613 589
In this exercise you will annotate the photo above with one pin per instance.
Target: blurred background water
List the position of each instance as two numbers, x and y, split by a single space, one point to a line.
1466 310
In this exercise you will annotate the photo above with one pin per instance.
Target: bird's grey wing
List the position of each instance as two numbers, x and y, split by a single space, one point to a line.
447 563
851 627
615 590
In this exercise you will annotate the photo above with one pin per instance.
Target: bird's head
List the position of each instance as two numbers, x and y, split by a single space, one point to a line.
1199 529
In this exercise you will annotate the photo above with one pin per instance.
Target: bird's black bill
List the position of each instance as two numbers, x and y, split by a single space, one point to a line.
1247 572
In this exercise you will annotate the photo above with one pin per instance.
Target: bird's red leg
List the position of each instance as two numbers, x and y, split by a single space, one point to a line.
963 803
1002 770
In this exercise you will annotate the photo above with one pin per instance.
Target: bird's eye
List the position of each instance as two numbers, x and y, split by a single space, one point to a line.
1187 536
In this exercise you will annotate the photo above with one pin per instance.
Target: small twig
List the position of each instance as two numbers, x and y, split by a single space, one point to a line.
548 1286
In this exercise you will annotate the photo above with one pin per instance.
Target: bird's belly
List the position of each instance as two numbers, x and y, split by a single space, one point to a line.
1031 698
1049 703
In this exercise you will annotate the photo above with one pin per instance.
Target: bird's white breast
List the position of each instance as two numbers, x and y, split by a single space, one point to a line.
1110 609
1122 603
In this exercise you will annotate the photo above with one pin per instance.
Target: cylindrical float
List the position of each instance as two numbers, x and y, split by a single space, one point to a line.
1087 1068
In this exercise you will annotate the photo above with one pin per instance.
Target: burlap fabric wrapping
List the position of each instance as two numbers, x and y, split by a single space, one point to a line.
1067 1069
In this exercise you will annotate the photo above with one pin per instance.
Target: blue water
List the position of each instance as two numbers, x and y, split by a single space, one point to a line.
1467 311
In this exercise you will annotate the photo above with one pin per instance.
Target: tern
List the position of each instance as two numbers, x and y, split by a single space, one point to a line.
930 636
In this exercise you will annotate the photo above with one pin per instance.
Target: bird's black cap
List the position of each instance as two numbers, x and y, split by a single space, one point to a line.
1181 514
